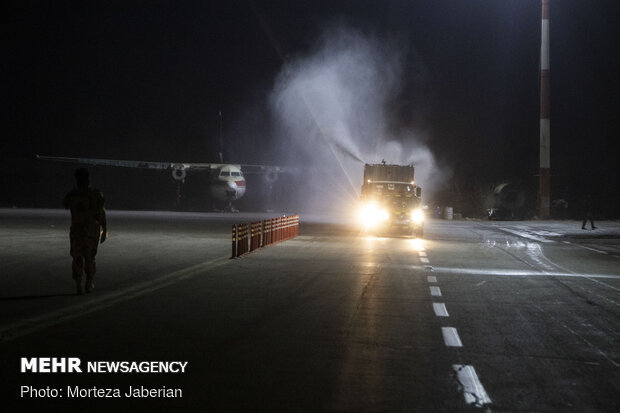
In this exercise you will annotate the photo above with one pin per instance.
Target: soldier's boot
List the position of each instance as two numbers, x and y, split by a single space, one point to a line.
90 283
78 284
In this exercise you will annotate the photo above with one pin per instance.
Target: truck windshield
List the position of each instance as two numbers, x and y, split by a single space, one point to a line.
392 189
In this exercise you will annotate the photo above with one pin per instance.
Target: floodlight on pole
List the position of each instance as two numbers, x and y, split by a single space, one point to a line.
544 188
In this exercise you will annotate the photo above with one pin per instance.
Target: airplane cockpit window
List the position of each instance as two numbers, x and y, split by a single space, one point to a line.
235 174
225 173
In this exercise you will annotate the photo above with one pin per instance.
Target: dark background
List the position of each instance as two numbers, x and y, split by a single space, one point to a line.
145 80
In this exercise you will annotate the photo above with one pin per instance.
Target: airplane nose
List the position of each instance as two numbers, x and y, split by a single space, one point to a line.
232 186
235 189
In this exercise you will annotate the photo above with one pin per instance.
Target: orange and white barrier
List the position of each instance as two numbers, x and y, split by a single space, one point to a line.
260 234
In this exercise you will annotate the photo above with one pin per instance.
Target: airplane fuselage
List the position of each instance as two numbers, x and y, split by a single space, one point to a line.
228 183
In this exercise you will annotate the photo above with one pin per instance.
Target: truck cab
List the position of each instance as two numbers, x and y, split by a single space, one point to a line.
390 200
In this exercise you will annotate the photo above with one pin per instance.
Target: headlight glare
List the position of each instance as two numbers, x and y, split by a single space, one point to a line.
371 215
417 216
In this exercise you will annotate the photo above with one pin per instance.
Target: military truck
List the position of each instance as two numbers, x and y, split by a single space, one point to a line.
390 200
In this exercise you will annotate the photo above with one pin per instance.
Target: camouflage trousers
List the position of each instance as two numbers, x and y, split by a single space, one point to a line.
83 251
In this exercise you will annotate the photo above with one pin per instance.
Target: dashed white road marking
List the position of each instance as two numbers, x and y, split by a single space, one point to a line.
435 291
440 310
451 337
473 391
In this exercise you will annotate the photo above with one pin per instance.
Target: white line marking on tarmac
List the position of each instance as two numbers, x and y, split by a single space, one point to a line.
431 279
424 260
422 253
592 249
584 276
525 235
602 283
473 391
544 233
451 337
577 335
491 271
517 273
92 302
435 291
440 310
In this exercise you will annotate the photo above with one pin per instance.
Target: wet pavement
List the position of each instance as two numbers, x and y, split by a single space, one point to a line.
490 316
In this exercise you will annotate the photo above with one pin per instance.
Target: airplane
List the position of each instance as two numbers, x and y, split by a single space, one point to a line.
227 180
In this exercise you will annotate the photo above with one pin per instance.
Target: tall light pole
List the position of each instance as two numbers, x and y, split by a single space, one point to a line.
544 187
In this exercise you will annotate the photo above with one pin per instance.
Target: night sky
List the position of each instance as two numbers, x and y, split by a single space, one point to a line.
145 80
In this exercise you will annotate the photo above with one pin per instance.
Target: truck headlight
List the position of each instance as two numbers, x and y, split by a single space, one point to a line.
417 216
371 215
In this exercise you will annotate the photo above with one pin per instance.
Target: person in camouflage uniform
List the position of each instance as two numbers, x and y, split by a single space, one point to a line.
88 228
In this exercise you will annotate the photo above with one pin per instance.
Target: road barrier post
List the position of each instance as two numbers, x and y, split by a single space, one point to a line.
258 234
255 235
279 229
234 241
285 229
262 234
242 246
251 236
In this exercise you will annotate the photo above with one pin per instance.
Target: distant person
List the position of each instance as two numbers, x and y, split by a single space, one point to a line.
588 213
88 228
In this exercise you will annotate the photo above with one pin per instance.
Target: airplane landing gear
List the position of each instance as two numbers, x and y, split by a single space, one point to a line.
230 208
178 194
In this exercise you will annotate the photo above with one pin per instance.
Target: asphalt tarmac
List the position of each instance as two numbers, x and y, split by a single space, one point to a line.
477 316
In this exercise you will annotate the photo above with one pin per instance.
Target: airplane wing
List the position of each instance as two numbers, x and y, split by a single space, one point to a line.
179 169
132 164
261 169
270 172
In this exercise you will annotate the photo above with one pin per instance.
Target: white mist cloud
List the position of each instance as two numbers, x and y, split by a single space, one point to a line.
330 108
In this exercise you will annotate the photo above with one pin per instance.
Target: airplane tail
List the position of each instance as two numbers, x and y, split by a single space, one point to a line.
220 149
